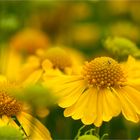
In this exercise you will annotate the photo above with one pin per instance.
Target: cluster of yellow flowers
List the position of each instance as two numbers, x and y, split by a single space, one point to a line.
95 92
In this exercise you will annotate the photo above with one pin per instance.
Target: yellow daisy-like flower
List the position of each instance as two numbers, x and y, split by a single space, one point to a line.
101 92
29 40
12 113
54 61
61 60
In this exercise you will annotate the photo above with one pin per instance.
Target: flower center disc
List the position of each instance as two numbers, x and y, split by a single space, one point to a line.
8 105
104 72
59 58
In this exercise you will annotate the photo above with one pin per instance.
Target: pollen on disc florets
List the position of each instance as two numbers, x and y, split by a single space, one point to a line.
8 105
104 72
59 58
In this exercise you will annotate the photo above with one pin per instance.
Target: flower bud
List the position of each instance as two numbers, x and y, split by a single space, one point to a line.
10 133
121 47
88 137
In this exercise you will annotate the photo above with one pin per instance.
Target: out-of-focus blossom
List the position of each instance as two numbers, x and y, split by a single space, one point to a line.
118 7
80 11
85 33
134 10
12 112
52 62
29 40
124 29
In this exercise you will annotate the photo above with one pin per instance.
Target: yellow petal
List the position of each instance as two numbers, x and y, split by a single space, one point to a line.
33 78
133 96
63 87
127 107
134 82
34 129
77 110
99 118
111 105
10 62
3 79
47 64
29 67
7 121
90 110
71 96
130 61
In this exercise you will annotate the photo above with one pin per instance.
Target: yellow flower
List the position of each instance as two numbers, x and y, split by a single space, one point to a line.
54 61
67 60
12 113
101 92
29 40
124 29
11 63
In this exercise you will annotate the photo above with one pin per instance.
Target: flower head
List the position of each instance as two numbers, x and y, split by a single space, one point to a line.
12 112
59 58
104 72
29 40
54 61
8 105
101 92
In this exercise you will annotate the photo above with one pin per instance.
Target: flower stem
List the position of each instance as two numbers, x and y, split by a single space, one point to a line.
97 131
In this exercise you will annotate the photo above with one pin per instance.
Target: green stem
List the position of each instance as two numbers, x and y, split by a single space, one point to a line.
97 130
79 132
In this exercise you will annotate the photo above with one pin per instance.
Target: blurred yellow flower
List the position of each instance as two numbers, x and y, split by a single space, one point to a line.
12 113
121 6
54 61
65 59
90 33
124 29
29 40
101 92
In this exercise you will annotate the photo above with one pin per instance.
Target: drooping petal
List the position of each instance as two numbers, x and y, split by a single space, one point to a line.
132 66
32 64
99 117
91 107
133 97
33 78
34 129
77 110
134 82
130 62
72 96
65 85
10 62
8 121
126 106
63 79
111 105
